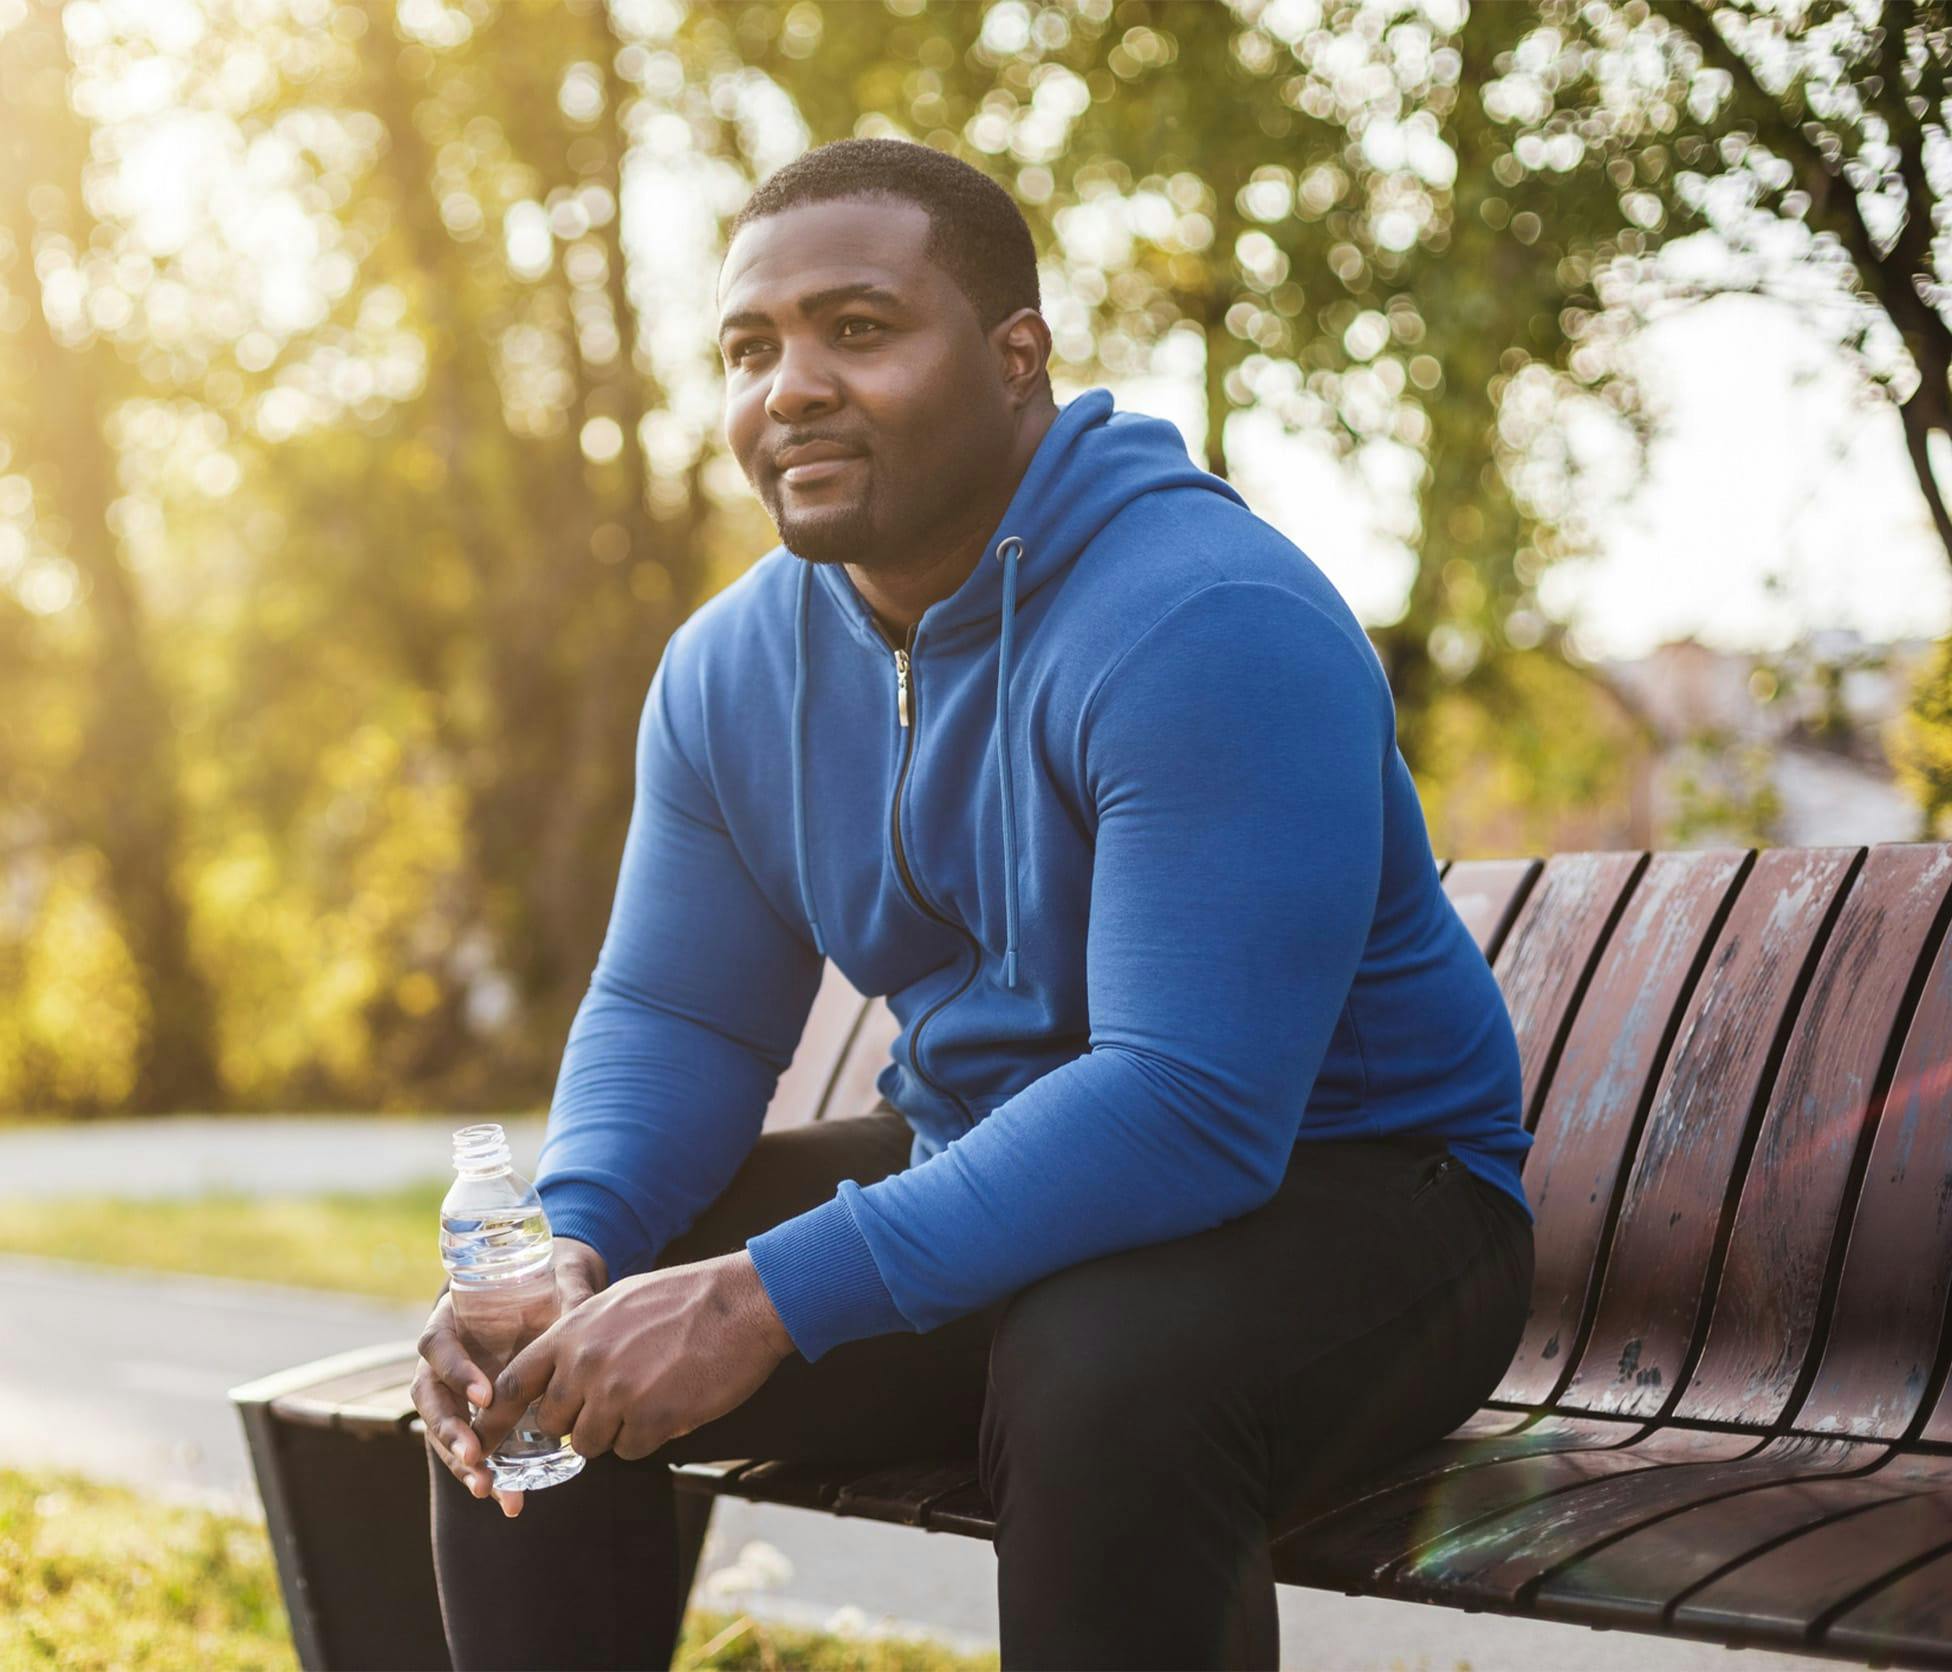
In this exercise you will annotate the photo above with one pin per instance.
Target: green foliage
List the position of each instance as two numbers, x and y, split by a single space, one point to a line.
69 978
1921 745
1723 791
1541 760
383 1244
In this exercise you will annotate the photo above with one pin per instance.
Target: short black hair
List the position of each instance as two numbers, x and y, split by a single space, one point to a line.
976 232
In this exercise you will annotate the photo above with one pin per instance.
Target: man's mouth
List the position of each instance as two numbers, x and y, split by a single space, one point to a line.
818 470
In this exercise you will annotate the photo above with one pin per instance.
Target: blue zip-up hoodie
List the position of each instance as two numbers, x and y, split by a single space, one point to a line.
1130 849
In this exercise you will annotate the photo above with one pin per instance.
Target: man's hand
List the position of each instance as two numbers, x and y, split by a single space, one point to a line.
446 1378
651 1358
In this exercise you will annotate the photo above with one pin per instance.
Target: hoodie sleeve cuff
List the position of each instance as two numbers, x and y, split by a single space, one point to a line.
822 1280
589 1213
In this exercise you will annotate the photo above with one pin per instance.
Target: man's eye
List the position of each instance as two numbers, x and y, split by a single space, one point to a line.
737 352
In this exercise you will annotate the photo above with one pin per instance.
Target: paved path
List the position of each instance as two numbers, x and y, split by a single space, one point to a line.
126 1378
189 1155
127 1373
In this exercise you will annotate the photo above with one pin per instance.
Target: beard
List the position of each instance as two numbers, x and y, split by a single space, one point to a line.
830 533
837 535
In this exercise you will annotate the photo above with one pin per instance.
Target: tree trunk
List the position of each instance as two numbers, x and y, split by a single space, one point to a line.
127 797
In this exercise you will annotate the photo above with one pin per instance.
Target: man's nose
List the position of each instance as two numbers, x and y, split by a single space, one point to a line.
803 386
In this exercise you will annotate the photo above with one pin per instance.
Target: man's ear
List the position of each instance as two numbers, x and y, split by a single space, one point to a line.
1022 345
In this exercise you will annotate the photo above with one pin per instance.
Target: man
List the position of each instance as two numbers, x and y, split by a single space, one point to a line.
1195 1183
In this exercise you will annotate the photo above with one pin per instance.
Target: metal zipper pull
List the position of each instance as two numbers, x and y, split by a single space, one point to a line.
1436 1173
901 685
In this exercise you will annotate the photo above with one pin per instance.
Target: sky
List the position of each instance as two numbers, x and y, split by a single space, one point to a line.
1776 500
1774 467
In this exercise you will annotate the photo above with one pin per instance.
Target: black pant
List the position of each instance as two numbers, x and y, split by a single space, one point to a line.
1141 1420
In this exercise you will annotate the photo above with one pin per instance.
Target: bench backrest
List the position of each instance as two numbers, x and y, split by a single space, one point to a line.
1738 1071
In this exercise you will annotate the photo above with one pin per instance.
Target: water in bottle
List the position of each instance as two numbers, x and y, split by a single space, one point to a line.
496 1245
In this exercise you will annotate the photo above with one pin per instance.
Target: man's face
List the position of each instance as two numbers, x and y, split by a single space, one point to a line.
841 337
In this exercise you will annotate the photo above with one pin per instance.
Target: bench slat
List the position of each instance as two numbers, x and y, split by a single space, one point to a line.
1631 1581
1912 1616
711 1477
1551 946
1431 1466
376 1397
904 1494
1657 1267
800 1485
1585 1126
1793 1189
803 1091
1487 894
1493 1419
1380 1543
966 1510
1891 1297
868 1053
1498 1559
1787 1588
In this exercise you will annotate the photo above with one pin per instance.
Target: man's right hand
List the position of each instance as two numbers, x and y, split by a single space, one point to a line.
447 1378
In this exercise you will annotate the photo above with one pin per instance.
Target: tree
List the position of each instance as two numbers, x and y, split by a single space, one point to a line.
1824 119
1333 213
64 379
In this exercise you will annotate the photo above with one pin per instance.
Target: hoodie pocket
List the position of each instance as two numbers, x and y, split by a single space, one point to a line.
1442 1171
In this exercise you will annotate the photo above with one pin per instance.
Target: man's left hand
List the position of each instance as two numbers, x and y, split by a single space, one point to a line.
650 1358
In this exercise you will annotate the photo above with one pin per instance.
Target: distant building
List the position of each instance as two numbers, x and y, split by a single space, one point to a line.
1788 749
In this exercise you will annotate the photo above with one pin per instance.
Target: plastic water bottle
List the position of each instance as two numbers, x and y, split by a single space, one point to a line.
497 1247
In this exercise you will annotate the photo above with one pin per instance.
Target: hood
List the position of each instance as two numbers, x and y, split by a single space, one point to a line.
1091 463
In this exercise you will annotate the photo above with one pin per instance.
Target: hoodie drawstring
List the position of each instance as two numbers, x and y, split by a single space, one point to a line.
1007 552
799 761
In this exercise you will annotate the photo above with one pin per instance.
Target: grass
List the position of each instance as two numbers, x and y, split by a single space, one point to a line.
714 1641
96 1576
384 1245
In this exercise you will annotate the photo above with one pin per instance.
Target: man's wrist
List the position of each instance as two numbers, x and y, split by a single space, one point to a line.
585 1254
758 1305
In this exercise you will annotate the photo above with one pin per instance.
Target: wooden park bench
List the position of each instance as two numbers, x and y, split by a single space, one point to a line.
1729 1418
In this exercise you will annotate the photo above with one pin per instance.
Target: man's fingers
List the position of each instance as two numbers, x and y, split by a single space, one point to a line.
445 1416
453 1441
594 1432
440 1408
440 1345
476 1479
461 1442
520 1384
559 1407
456 1444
